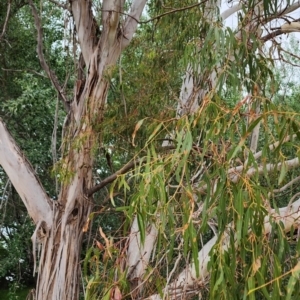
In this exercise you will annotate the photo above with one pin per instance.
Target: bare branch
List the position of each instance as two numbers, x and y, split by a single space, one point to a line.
22 176
282 189
285 11
49 72
25 70
132 20
234 173
114 176
285 28
228 12
6 19
61 5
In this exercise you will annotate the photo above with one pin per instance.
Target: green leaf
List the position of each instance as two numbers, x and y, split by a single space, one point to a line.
294 278
283 171
141 222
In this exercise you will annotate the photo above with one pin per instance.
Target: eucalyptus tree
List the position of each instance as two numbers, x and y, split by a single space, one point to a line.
202 203
59 224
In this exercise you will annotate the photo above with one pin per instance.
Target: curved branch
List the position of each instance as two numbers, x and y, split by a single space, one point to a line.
61 5
290 183
6 19
114 176
22 176
228 12
132 20
285 28
49 72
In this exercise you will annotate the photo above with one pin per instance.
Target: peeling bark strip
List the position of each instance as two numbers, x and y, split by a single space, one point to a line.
64 219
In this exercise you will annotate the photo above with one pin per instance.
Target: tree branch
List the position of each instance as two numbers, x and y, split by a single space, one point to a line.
6 19
51 75
234 173
175 10
228 12
114 176
22 176
132 20
25 70
61 5
290 183
285 28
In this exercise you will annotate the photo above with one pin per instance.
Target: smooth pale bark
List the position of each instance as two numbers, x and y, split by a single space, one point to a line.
60 223
187 280
234 173
138 255
24 179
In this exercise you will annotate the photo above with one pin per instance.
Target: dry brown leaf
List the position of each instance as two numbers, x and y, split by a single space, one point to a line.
99 245
256 265
86 225
116 294
107 242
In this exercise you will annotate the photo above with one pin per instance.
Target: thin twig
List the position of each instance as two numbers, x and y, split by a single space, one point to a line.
6 19
64 6
114 176
49 72
175 10
25 70
287 185
54 141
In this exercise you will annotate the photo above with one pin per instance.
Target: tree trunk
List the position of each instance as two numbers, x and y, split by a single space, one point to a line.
60 224
59 262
